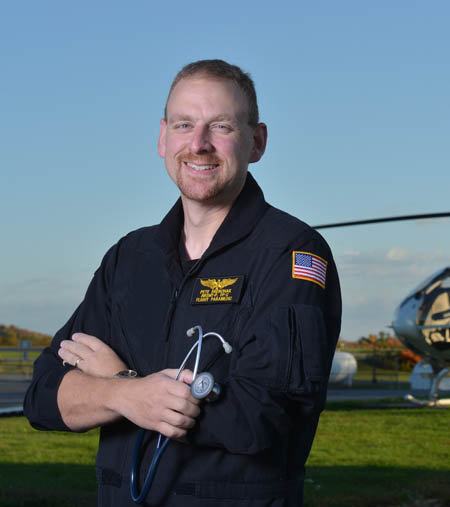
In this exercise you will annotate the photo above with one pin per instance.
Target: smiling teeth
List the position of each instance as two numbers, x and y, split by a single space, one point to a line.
201 167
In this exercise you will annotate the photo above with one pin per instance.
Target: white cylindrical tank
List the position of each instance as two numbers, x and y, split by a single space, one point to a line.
343 368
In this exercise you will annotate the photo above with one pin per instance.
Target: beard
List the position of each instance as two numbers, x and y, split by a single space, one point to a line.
204 186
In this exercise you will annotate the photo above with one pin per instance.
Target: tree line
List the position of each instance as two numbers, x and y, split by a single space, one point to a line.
10 336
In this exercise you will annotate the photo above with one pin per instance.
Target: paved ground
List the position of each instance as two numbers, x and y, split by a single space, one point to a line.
12 391
368 394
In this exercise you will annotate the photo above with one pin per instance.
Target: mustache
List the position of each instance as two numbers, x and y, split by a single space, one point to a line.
207 159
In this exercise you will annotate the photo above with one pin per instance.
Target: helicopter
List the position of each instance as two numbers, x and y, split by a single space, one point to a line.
422 320
422 323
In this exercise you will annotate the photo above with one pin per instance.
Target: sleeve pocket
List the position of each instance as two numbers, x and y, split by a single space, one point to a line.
309 368
303 364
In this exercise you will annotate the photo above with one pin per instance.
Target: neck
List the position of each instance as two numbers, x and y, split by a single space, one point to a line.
200 225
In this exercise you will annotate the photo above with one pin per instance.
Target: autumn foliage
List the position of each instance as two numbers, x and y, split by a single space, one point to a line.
408 359
10 336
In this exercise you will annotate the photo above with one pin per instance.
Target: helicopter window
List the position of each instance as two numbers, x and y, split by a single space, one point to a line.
446 283
435 309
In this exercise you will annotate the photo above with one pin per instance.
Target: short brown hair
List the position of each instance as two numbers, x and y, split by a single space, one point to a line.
220 69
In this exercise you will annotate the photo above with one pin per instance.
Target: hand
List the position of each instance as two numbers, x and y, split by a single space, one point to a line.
158 402
95 357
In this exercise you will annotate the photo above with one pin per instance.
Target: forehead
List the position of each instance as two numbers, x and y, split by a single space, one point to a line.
205 96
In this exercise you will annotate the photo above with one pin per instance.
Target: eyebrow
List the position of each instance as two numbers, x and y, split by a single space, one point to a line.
185 117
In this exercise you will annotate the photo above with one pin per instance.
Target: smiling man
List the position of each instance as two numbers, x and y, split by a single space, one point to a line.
208 137
223 259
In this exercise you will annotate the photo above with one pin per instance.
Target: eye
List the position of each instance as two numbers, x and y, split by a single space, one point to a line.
222 127
182 126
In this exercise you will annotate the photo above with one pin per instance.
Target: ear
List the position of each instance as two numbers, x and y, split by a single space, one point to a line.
259 142
162 138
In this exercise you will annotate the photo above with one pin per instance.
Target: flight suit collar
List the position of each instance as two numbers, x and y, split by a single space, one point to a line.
245 213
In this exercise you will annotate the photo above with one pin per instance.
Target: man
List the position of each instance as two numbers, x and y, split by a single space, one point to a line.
226 260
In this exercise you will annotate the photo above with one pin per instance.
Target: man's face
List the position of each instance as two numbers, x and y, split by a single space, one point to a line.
206 141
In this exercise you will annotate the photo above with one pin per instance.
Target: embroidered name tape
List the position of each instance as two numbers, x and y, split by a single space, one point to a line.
225 289
307 266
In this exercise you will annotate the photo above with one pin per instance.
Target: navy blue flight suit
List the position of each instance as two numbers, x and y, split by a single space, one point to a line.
249 447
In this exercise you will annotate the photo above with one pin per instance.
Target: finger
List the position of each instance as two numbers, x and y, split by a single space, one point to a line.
76 348
172 386
177 420
179 390
170 372
171 431
186 407
186 376
90 341
69 357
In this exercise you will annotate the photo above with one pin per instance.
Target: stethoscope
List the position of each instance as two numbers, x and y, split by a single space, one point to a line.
203 387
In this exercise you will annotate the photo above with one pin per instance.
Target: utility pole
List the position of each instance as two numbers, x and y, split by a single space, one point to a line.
373 341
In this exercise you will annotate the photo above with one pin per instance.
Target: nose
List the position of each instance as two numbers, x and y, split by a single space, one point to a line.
200 141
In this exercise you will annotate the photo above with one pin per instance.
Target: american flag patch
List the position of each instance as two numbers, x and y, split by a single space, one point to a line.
307 266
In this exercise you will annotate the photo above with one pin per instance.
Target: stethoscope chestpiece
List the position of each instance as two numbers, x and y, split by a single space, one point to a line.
204 388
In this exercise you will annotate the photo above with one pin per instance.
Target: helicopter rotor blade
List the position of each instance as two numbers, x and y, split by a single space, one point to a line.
381 220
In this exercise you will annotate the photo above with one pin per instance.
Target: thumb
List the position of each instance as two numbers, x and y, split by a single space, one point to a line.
186 376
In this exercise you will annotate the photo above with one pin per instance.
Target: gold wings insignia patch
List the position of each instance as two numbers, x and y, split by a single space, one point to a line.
225 282
211 283
217 290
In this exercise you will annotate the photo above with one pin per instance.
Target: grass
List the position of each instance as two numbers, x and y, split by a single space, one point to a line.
370 458
361 457
40 469
365 372
11 361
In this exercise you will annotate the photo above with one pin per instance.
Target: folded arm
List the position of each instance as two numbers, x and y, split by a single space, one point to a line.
156 402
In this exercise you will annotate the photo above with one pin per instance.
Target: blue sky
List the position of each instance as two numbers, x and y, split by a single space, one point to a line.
355 94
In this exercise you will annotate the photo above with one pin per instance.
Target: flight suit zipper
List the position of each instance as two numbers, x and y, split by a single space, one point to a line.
172 307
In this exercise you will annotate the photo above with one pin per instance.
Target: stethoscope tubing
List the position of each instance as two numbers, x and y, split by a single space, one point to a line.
162 440
160 448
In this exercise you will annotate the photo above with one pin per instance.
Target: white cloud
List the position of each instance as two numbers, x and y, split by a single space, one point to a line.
391 262
397 253
351 253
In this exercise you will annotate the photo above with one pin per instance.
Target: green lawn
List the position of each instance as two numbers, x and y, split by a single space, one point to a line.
18 354
361 457
365 372
40 469
11 362
369 457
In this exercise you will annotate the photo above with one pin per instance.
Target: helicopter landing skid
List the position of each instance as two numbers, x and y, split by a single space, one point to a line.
433 400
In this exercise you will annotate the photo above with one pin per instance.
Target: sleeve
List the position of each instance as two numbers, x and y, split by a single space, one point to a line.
280 371
91 317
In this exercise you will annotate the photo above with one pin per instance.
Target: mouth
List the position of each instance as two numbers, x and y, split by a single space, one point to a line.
201 167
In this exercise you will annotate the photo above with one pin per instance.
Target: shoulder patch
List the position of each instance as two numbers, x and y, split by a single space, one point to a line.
308 266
